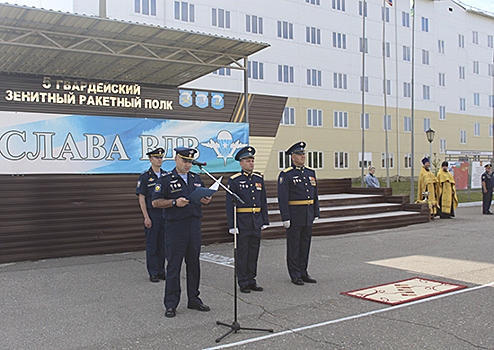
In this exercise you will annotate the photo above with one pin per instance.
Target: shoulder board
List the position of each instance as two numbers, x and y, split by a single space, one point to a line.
235 175
257 174
168 174
309 168
192 174
144 172
287 169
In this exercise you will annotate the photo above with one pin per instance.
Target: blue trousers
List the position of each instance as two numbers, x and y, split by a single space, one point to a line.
248 245
297 250
155 242
183 240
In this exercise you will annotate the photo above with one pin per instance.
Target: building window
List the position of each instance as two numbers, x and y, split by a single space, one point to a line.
284 160
491 101
360 5
314 77
406 53
364 44
476 129
463 104
339 5
367 160
427 124
390 160
387 87
365 84
314 117
461 41
286 73
490 130
256 70
340 119
407 124
475 37
476 67
315 160
490 70
440 44
340 81
254 24
285 30
442 79
313 35
387 49
367 121
385 13
313 2
442 112
463 136
490 41
145 7
425 24
184 11
476 99
425 57
462 73
407 89
442 146
426 92
405 19
339 40
288 117
220 18
341 160
223 71
408 160
389 122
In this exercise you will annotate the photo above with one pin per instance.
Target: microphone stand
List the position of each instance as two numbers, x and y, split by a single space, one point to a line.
235 326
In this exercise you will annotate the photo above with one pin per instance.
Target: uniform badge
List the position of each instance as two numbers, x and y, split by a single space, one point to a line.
197 185
312 180
185 98
202 99
281 180
157 188
258 186
217 100
150 179
138 183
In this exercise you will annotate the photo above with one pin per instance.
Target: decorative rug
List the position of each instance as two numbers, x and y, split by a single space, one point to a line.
404 291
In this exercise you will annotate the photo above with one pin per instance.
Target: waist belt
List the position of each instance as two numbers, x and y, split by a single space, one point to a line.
248 210
307 202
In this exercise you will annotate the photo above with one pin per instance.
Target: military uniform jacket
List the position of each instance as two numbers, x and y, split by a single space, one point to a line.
250 188
297 196
172 186
145 185
489 180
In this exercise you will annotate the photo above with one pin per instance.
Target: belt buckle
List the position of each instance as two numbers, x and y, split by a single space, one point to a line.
253 210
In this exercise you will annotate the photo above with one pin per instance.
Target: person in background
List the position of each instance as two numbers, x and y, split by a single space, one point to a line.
487 185
448 200
370 179
428 183
154 223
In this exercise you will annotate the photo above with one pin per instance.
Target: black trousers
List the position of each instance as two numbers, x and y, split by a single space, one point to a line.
155 242
298 240
486 201
248 245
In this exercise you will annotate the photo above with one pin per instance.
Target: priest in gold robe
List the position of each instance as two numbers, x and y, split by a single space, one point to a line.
428 185
446 193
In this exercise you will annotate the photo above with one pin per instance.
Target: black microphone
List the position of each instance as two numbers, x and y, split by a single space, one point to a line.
195 162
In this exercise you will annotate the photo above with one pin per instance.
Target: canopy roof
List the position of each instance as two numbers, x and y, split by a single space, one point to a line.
47 42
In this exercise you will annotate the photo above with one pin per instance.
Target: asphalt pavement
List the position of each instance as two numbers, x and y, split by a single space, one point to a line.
107 302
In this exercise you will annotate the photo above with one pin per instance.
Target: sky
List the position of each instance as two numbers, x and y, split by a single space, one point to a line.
482 4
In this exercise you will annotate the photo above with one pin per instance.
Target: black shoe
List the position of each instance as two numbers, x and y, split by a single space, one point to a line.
170 312
200 307
308 279
154 278
245 289
162 276
298 281
489 213
255 287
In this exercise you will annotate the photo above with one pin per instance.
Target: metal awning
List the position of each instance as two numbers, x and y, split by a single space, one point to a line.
47 42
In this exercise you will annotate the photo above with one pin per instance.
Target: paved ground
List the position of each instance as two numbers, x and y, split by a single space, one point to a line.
106 302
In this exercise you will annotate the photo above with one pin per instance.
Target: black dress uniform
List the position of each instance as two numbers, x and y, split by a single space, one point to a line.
299 203
183 233
251 216
155 236
488 178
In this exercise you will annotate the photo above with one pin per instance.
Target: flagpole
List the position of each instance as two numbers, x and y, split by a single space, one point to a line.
492 71
397 98
362 84
412 178
385 89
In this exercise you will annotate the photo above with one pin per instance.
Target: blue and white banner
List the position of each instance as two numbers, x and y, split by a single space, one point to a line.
33 143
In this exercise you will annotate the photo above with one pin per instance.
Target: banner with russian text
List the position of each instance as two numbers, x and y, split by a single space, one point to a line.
34 143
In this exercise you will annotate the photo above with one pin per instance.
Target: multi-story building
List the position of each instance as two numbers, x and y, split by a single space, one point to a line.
315 60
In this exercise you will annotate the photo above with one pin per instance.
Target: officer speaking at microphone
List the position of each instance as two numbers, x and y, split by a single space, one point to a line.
299 206
183 230
252 217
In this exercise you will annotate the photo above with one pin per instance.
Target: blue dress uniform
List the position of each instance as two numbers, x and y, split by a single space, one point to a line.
251 216
155 236
183 234
299 203
488 178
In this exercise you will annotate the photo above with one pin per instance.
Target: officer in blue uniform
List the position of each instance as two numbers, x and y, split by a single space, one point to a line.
299 206
487 185
183 230
154 223
252 217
